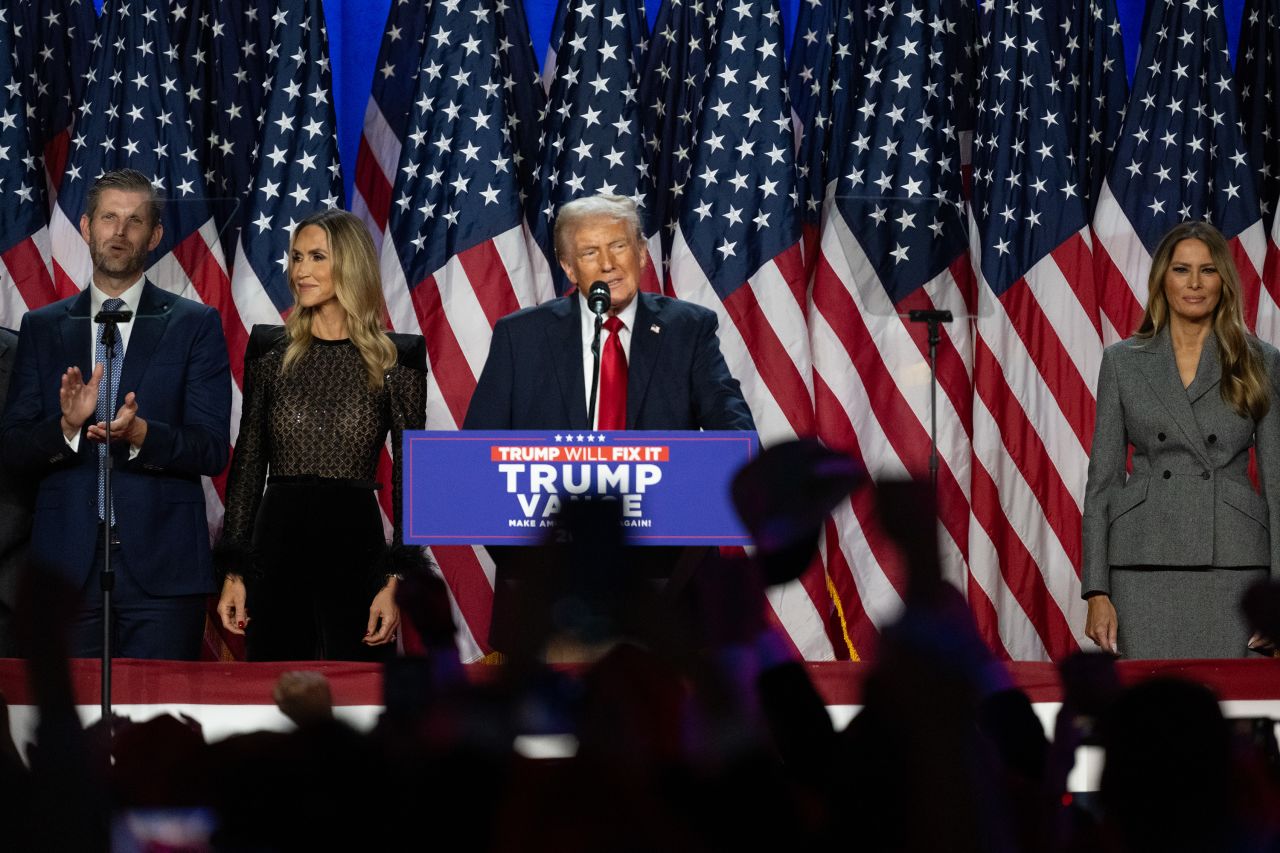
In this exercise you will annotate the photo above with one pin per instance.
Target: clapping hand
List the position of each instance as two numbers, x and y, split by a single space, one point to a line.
126 426
78 398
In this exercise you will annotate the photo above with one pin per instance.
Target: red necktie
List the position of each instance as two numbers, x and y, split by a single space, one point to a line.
613 380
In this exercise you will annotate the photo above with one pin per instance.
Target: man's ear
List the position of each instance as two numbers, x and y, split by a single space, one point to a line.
568 271
157 234
84 226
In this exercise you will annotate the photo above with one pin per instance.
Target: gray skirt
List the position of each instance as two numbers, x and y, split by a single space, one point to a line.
1182 611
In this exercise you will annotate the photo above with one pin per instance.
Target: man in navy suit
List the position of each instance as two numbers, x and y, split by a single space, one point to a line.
170 424
538 373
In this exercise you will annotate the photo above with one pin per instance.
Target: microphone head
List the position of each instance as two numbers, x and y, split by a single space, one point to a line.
598 298
122 315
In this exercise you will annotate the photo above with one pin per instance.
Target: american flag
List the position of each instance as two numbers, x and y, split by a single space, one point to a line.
51 41
592 140
737 252
523 95
386 117
395 78
291 144
1180 156
671 97
825 55
455 258
24 240
1258 81
894 239
1091 66
224 47
1037 352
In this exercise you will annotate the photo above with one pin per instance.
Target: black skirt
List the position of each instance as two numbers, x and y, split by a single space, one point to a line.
317 548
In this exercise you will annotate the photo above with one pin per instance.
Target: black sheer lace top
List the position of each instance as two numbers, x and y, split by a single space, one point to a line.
320 421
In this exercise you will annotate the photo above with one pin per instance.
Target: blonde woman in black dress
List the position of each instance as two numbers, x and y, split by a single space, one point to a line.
308 573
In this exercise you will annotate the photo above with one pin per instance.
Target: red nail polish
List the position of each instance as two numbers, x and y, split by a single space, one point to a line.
239 624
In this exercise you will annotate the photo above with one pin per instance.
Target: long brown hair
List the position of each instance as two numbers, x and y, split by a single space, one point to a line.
358 287
1244 379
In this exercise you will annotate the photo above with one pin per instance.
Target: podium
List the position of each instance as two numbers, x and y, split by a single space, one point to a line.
507 487
505 490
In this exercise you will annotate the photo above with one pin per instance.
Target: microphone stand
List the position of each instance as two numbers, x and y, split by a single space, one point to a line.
107 579
595 373
934 318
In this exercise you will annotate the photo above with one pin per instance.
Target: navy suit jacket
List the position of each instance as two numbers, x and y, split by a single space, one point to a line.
176 363
676 375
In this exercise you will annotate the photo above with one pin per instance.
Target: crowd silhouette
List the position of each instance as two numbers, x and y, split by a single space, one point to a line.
686 724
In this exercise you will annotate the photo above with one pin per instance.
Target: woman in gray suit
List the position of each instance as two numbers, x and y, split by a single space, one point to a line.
1169 550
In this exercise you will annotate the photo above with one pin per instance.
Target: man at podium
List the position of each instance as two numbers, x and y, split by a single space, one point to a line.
660 360
660 369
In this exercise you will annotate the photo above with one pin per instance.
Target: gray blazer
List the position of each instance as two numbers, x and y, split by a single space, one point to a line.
1189 501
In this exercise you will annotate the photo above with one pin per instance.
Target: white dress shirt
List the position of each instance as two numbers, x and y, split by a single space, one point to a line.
628 317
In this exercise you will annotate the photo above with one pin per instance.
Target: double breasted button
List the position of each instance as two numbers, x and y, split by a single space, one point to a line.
1212 438
1168 474
1160 436
1206 475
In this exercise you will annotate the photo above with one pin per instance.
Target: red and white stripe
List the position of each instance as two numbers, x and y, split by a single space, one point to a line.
455 309
765 342
375 172
25 281
1035 365
871 385
1265 248
1271 272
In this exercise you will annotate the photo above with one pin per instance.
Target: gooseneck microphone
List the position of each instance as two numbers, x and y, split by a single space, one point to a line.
108 320
598 298
124 315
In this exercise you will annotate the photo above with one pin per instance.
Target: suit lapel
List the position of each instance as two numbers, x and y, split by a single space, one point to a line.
1161 371
646 343
149 325
76 335
564 341
1208 372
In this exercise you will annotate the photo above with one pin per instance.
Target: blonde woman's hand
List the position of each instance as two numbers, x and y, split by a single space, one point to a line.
384 617
235 616
1100 624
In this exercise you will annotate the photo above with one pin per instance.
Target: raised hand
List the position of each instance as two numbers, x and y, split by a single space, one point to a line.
79 399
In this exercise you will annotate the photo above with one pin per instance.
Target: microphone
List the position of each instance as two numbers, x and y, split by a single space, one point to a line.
109 320
124 315
598 299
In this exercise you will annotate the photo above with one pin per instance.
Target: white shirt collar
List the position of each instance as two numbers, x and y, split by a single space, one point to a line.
626 315
131 296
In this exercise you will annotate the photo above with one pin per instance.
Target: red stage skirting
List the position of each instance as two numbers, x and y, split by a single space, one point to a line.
232 698
840 683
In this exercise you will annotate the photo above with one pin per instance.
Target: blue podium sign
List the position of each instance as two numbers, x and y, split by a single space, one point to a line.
505 488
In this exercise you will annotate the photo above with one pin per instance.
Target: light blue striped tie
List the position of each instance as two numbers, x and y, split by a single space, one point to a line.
107 391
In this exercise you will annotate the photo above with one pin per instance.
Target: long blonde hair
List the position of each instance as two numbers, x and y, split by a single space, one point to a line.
358 287
1244 378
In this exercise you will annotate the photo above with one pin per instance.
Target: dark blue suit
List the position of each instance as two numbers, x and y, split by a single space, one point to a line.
676 376
533 379
176 363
